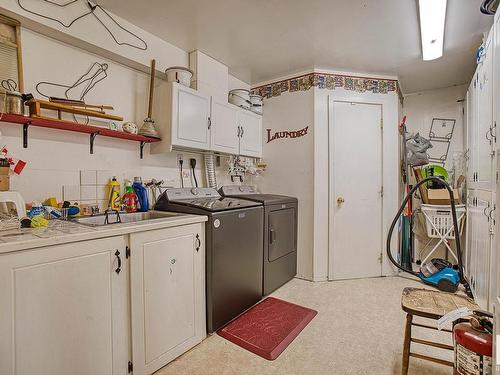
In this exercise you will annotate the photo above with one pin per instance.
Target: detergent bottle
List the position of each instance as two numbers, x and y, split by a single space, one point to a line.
129 198
114 194
142 194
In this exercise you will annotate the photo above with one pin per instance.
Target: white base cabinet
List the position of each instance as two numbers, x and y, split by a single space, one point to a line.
167 295
64 310
480 227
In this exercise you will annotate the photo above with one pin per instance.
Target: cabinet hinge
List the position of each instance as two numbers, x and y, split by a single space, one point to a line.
130 367
380 258
381 123
381 191
209 123
127 252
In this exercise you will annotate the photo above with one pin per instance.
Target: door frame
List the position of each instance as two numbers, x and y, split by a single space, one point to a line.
331 174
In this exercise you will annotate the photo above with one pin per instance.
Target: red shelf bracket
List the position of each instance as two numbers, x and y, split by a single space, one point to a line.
25 134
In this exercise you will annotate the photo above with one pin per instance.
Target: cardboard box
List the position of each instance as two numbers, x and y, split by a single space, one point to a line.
4 183
441 196
4 171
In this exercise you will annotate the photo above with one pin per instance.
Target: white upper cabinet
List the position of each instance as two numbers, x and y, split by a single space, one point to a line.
224 128
481 137
182 117
250 134
189 120
64 310
485 139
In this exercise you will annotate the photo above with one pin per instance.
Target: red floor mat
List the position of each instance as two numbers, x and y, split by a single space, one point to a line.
268 327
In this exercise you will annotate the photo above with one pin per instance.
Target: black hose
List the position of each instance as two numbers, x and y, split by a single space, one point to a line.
455 226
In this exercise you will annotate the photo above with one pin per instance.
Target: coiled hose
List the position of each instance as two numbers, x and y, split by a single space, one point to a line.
210 170
455 226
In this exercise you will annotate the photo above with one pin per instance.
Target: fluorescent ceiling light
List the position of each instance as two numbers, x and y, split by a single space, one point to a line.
432 17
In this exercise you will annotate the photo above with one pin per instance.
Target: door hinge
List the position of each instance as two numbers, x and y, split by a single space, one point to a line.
381 123
209 123
381 192
127 252
380 258
130 367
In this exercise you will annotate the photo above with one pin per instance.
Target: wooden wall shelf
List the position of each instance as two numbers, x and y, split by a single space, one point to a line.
92 130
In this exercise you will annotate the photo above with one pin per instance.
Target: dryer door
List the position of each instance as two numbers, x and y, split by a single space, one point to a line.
281 236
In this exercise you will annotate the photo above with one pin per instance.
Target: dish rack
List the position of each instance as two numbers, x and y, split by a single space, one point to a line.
439 225
8 222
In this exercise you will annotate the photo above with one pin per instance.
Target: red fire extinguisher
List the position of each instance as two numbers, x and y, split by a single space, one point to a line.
474 345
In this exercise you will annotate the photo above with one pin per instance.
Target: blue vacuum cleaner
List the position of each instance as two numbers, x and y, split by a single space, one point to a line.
438 273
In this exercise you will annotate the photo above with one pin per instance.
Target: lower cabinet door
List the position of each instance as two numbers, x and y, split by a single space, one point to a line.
167 294
64 310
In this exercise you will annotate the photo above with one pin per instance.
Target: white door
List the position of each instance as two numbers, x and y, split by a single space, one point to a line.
224 129
356 190
250 134
190 118
64 310
167 294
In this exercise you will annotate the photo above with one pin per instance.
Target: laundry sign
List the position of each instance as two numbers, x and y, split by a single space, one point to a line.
286 134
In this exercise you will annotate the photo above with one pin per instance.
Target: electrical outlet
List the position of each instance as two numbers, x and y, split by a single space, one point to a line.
179 158
186 174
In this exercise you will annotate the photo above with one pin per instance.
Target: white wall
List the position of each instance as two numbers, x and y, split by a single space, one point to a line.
290 165
421 107
54 157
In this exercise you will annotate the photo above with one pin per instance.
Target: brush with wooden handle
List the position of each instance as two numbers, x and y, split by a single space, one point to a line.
148 127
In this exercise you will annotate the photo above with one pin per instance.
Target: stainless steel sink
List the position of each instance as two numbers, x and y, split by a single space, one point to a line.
133 217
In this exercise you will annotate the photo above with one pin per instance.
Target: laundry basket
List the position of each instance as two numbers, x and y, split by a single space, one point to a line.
439 221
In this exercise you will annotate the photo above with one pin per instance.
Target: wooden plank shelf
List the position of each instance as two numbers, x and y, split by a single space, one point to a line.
92 130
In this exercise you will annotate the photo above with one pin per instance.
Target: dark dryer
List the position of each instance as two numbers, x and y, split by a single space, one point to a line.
280 234
234 236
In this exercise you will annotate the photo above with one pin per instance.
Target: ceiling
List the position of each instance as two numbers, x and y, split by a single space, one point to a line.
264 39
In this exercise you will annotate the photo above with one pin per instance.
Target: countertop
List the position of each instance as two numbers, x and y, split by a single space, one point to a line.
60 232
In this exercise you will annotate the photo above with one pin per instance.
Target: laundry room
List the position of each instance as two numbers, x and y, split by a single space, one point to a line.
264 187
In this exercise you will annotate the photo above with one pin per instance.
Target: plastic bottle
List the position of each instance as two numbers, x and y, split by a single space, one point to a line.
142 194
114 194
129 198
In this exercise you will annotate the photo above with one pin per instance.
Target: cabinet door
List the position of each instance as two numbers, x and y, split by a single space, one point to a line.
485 139
64 310
472 132
190 118
167 294
481 247
224 129
251 134
468 257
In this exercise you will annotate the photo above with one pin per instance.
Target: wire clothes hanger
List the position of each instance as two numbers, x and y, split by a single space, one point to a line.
92 7
95 74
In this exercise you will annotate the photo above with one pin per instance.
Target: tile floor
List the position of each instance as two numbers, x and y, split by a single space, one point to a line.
358 330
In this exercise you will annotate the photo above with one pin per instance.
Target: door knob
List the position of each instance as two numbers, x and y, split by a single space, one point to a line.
340 200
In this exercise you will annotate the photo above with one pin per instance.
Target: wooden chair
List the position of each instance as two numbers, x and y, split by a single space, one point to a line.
431 304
